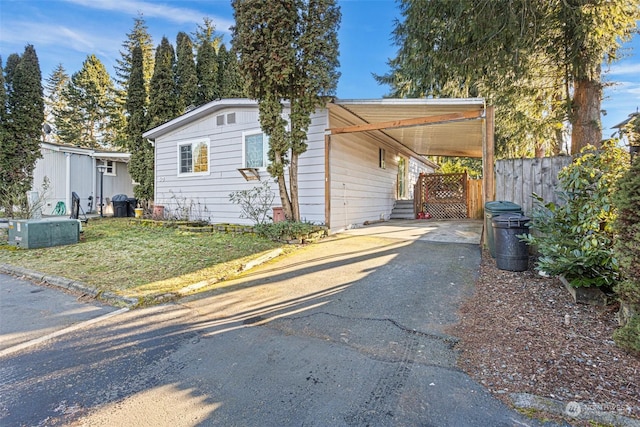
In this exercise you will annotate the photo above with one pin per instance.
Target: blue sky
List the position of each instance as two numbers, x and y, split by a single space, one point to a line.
66 31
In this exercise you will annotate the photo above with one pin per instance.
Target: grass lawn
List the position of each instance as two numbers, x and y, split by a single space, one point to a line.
121 256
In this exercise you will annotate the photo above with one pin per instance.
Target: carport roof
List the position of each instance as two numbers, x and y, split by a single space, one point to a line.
429 127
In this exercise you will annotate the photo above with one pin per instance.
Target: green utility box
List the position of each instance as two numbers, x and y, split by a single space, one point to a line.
43 233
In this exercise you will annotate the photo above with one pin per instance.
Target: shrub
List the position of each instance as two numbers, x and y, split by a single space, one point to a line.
627 250
575 238
255 202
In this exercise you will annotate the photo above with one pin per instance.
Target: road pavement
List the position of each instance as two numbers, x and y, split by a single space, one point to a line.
351 331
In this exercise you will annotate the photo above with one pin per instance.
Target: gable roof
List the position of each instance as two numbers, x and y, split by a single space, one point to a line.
197 114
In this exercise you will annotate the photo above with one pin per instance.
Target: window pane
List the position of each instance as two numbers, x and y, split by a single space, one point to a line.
254 151
201 154
186 163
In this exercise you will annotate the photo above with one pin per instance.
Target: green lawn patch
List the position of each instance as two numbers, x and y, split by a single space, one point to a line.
122 256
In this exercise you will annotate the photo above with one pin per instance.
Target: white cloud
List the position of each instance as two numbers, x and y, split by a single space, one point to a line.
622 69
155 10
52 35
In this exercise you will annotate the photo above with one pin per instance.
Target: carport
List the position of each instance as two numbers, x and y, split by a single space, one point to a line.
427 127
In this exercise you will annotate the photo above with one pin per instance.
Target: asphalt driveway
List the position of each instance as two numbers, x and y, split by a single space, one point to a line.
351 331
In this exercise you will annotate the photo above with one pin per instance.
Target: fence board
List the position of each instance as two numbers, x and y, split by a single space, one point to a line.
518 179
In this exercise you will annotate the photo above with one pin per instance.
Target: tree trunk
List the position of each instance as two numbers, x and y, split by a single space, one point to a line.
586 127
293 186
284 194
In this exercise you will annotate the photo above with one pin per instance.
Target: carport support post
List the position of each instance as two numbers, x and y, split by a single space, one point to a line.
101 168
488 159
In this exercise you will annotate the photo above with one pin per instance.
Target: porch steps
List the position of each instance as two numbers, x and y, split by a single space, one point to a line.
403 209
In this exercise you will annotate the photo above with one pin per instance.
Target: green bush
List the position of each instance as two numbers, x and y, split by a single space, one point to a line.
627 250
575 237
628 336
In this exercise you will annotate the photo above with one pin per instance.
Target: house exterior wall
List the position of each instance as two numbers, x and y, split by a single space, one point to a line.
75 172
361 189
206 196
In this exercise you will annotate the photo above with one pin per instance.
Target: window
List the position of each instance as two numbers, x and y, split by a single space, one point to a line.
255 146
111 167
381 154
231 118
193 157
220 120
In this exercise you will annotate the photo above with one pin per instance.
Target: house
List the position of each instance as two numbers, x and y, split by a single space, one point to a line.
362 156
70 169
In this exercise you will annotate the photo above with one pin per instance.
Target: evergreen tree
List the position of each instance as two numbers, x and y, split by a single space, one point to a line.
139 36
162 96
22 127
229 78
288 51
206 33
207 72
627 247
538 62
186 77
55 101
92 118
4 160
141 162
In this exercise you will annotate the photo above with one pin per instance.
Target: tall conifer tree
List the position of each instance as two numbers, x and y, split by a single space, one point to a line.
288 51
22 124
141 162
186 77
162 91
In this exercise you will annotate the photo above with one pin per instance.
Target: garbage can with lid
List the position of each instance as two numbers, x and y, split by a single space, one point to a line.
493 209
512 254
120 208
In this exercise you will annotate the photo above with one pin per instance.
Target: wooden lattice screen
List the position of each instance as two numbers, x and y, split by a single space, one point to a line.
443 196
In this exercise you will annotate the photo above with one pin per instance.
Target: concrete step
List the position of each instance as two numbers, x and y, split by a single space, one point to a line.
403 209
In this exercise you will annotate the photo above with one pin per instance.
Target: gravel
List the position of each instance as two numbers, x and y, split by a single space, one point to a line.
523 333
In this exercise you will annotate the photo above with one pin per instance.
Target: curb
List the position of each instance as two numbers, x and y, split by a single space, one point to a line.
110 297
71 285
592 412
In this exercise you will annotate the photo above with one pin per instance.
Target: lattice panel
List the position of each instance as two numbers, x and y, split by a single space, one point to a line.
441 188
446 210
444 195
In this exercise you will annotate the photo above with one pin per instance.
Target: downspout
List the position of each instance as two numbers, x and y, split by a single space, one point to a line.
327 181
94 182
68 181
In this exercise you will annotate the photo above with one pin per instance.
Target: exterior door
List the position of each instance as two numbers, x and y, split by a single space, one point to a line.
402 178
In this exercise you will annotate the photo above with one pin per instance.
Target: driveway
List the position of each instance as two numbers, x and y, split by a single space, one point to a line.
351 331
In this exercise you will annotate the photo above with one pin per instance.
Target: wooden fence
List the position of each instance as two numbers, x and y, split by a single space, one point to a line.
518 179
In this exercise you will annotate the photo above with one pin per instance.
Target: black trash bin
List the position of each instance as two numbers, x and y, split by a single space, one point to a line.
132 203
120 204
493 209
512 254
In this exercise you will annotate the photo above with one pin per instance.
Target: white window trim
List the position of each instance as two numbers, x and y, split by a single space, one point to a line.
193 142
113 167
265 147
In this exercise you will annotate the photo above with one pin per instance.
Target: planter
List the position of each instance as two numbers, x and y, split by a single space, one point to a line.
585 295
138 212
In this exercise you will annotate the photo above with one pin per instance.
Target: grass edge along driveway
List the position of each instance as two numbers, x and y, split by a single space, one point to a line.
152 264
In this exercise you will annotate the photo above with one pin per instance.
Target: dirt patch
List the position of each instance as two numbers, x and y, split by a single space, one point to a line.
522 333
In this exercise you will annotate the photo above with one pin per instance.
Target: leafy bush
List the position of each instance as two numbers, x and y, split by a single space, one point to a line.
255 202
627 250
286 230
575 238
628 336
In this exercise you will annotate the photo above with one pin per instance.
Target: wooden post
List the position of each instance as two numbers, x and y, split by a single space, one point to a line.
488 159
